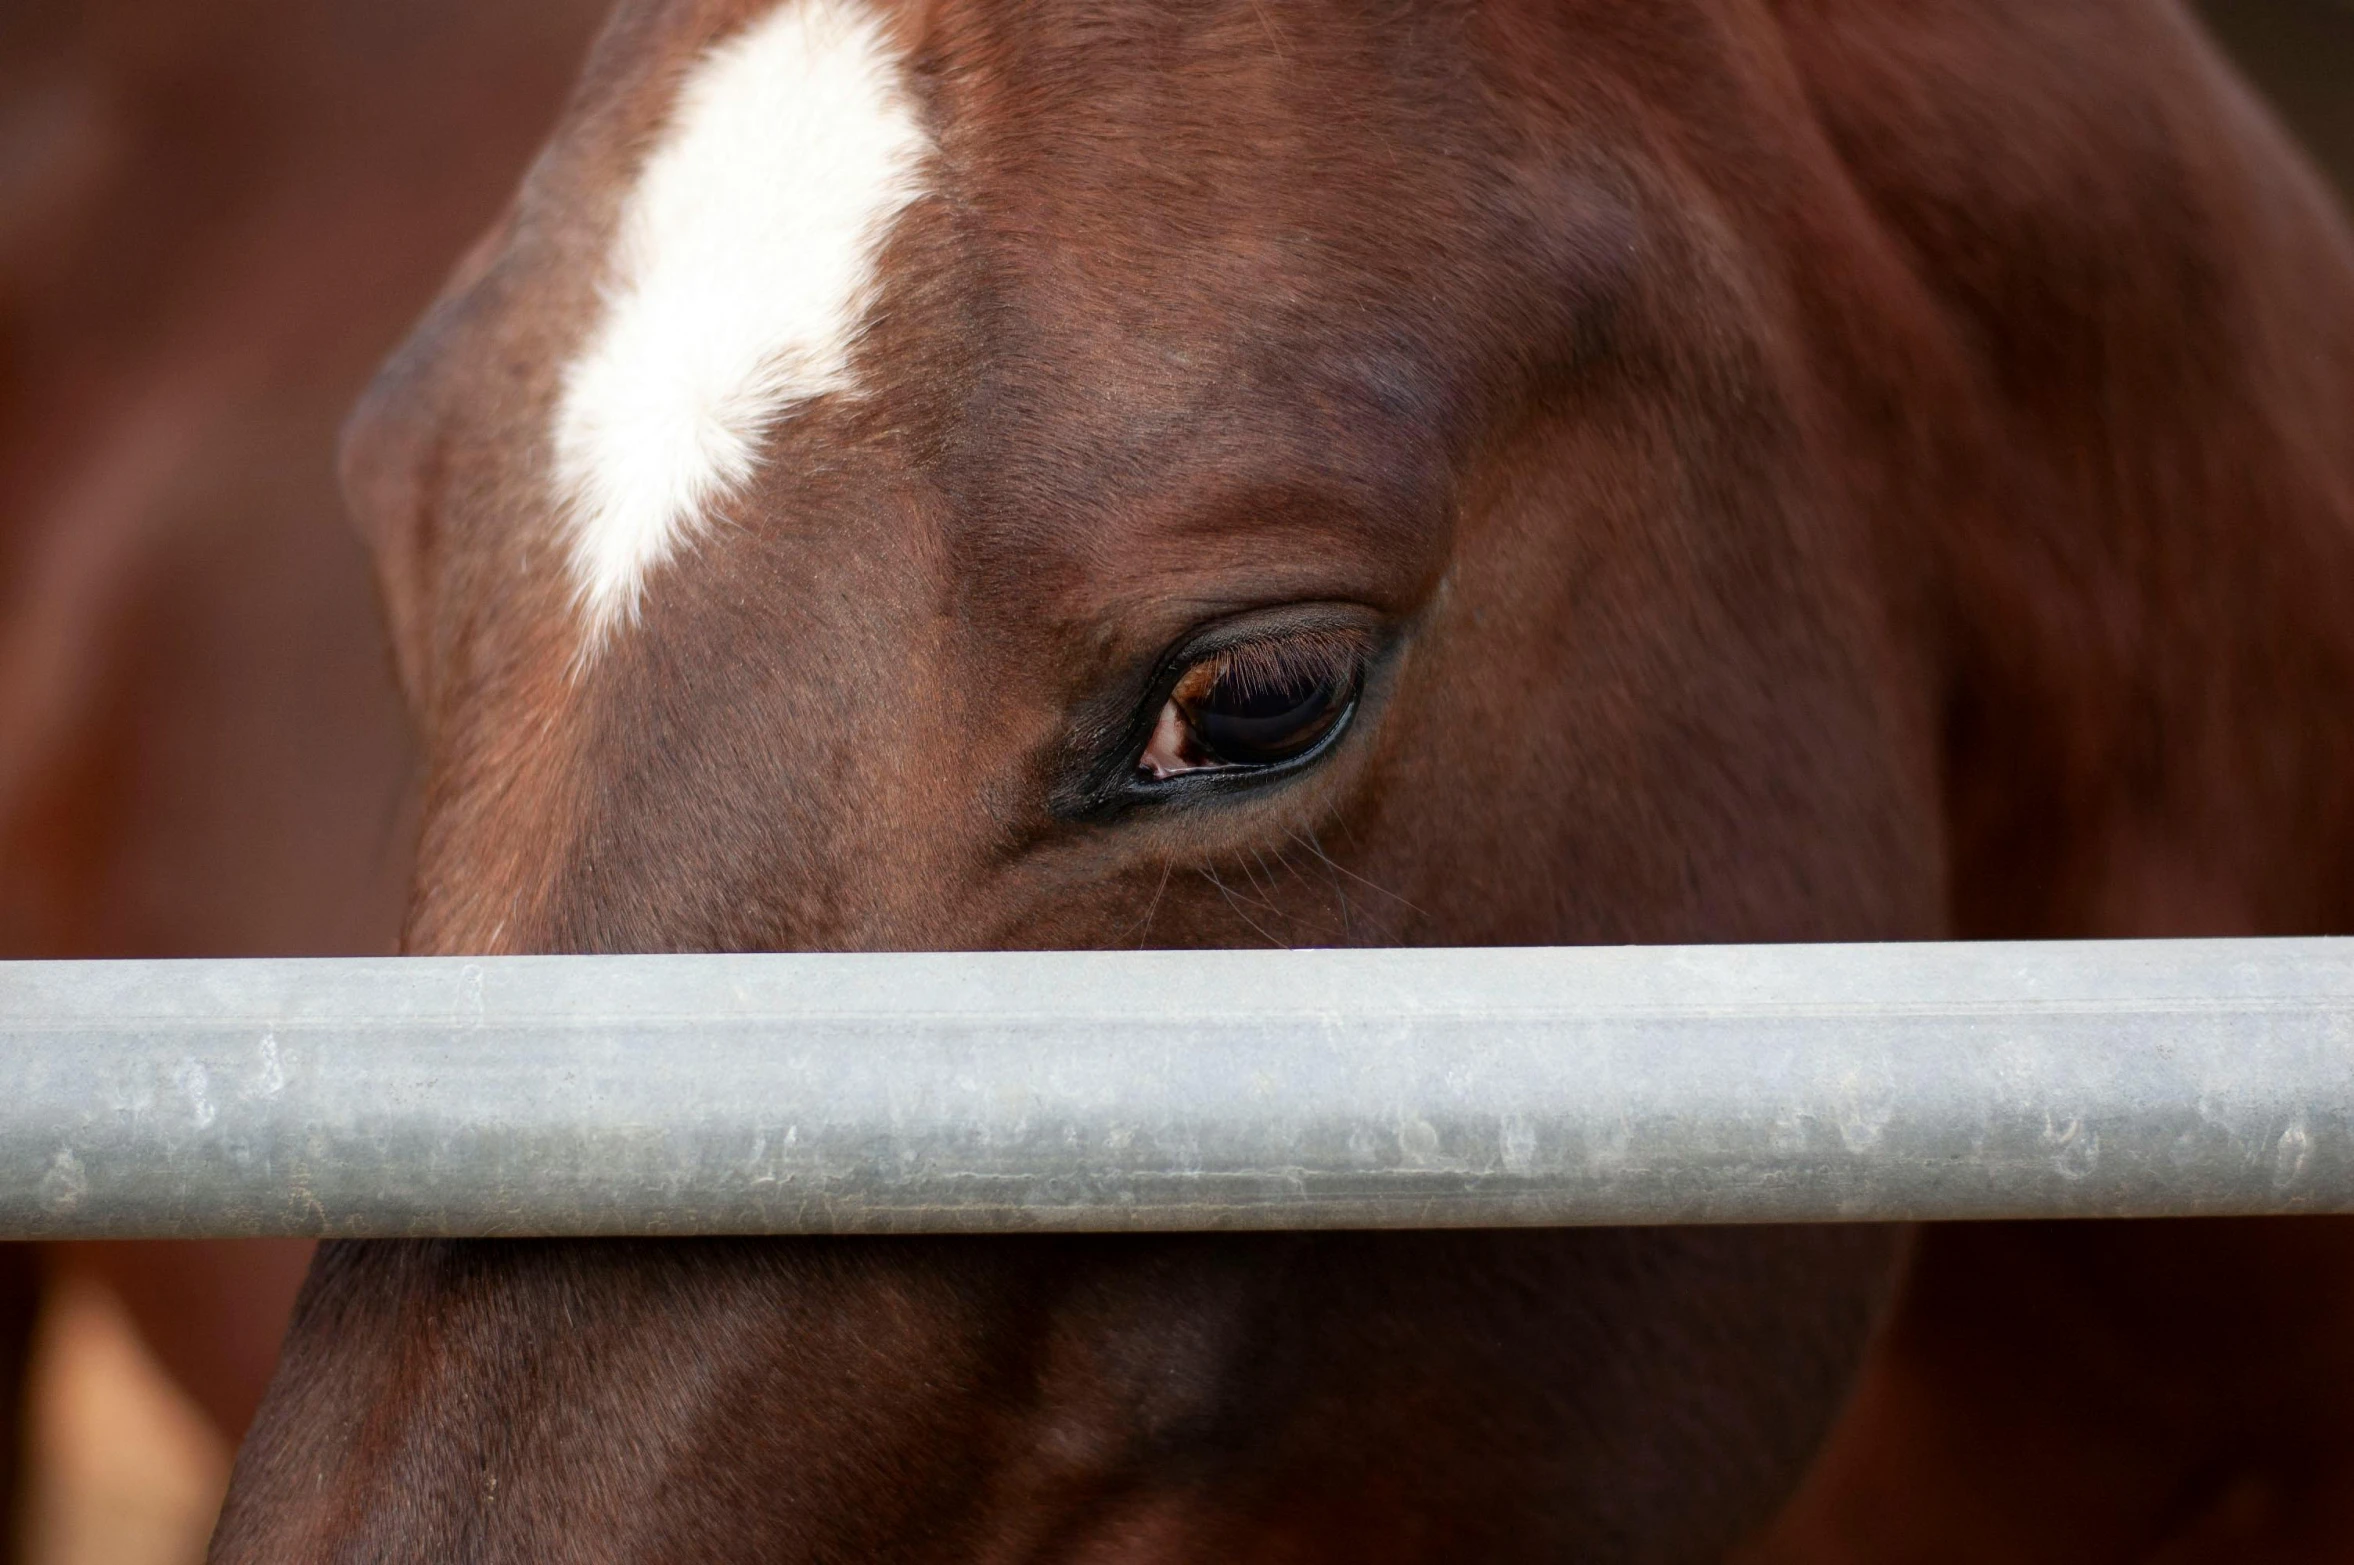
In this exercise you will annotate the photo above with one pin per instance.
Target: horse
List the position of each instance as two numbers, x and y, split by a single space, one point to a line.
1097 473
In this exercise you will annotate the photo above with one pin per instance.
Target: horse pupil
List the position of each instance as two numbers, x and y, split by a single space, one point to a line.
1260 724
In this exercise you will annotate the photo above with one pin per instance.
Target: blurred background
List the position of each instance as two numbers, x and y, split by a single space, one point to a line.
215 217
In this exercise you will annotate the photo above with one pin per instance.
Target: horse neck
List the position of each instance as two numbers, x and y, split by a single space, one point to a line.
2148 730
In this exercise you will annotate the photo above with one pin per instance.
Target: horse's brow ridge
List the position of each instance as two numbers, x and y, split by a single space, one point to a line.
741 267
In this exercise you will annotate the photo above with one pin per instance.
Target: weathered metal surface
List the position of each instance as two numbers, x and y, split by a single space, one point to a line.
1002 1091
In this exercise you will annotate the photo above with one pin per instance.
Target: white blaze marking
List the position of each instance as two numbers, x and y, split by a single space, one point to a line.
739 275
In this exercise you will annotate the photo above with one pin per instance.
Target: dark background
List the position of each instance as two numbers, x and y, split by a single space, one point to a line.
2301 53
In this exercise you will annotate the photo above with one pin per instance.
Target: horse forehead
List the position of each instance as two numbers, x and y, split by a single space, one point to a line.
733 284
781 153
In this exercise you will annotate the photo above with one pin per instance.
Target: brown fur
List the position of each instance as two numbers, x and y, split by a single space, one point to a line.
1820 471
2175 1393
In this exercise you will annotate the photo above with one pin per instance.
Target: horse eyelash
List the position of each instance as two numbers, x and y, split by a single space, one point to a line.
1282 662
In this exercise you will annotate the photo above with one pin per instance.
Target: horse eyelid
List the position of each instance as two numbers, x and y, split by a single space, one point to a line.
1281 660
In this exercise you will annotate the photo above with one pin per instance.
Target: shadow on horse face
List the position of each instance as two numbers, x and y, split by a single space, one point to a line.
1102 474
1247 1397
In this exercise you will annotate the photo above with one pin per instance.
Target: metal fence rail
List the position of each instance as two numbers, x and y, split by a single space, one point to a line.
999 1092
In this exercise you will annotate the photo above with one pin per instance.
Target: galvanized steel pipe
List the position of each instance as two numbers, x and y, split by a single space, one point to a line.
1172 1090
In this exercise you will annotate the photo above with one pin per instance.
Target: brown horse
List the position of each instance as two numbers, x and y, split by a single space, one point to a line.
1099 472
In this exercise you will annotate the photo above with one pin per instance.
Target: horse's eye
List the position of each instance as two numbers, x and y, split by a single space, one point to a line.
1257 705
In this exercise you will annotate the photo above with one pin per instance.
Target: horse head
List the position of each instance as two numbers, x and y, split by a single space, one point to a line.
1093 474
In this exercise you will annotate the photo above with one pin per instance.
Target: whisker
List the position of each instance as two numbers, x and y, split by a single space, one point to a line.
1369 884
1340 894
1284 858
1212 876
1265 895
1269 895
1257 894
1153 908
1316 928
